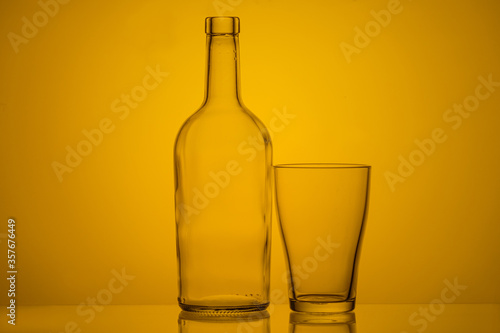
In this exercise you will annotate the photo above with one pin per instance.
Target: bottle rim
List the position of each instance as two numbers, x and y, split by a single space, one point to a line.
222 25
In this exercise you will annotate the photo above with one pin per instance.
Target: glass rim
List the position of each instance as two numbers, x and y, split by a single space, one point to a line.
321 166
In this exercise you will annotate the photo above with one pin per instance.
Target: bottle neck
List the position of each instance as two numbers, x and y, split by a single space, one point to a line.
222 76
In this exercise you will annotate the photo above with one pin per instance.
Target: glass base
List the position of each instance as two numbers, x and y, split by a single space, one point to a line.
322 306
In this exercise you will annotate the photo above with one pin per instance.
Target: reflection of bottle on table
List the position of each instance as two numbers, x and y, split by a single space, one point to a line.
255 322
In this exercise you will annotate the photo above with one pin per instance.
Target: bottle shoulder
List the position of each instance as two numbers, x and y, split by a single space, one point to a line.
234 121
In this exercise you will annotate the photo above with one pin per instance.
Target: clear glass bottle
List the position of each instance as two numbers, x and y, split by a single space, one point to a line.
223 170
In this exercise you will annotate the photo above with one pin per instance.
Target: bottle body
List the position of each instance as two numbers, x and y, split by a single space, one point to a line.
223 161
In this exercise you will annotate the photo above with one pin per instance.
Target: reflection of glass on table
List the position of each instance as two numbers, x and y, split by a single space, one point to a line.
301 322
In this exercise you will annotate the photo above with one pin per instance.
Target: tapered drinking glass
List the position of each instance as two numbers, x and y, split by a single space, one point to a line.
322 210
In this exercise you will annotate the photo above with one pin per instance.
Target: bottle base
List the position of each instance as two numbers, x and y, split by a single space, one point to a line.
322 306
223 309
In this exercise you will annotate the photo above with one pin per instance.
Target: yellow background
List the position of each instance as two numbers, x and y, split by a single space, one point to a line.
115 210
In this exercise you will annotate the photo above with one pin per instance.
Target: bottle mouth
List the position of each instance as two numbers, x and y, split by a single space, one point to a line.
222 25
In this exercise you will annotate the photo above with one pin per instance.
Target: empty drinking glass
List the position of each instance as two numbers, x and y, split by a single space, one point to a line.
322 210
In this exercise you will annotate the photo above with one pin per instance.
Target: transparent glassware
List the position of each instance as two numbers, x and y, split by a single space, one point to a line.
236 322
322 210
303 322
223 172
